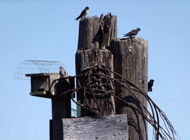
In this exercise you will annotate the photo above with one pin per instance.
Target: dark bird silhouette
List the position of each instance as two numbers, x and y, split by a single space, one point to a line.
62 72
132 33
150 84
101 17
83 13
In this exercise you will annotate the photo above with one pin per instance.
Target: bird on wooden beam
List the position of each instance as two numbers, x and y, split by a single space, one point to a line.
83 13
132 33
62 72
150 84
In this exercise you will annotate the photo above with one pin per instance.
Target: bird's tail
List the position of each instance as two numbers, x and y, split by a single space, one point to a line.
77 18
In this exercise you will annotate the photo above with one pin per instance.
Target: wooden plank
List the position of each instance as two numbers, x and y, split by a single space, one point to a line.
43 74
112 127
131 61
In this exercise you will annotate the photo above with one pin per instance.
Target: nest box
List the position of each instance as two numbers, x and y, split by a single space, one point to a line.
49 85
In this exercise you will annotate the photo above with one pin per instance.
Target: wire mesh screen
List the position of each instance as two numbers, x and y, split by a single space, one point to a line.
37 66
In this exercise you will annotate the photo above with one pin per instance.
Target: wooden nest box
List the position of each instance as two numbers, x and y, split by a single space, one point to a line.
49 85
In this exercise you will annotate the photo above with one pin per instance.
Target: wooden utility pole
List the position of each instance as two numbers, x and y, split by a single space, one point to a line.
131 61
94 37
98 47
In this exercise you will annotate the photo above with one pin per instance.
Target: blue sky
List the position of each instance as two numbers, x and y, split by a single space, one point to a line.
47 30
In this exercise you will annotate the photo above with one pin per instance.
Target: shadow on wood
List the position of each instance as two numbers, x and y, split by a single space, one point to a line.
131 61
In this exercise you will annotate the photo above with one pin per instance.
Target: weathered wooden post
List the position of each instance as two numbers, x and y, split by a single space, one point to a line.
94 37
98 47
131 61
50 85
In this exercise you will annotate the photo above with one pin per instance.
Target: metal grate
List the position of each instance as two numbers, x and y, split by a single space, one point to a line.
36 66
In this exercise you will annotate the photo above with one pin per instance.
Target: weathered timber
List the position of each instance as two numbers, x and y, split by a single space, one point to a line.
131 61
61 104
85 59
93 31
112 127
94 37
61 108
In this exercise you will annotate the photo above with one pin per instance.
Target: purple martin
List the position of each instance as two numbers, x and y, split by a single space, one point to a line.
62 72
150 84
101 17
83 13
132 33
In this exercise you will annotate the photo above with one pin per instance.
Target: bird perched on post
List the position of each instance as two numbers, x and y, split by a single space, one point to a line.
150 84
132 33
62 72
83 13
